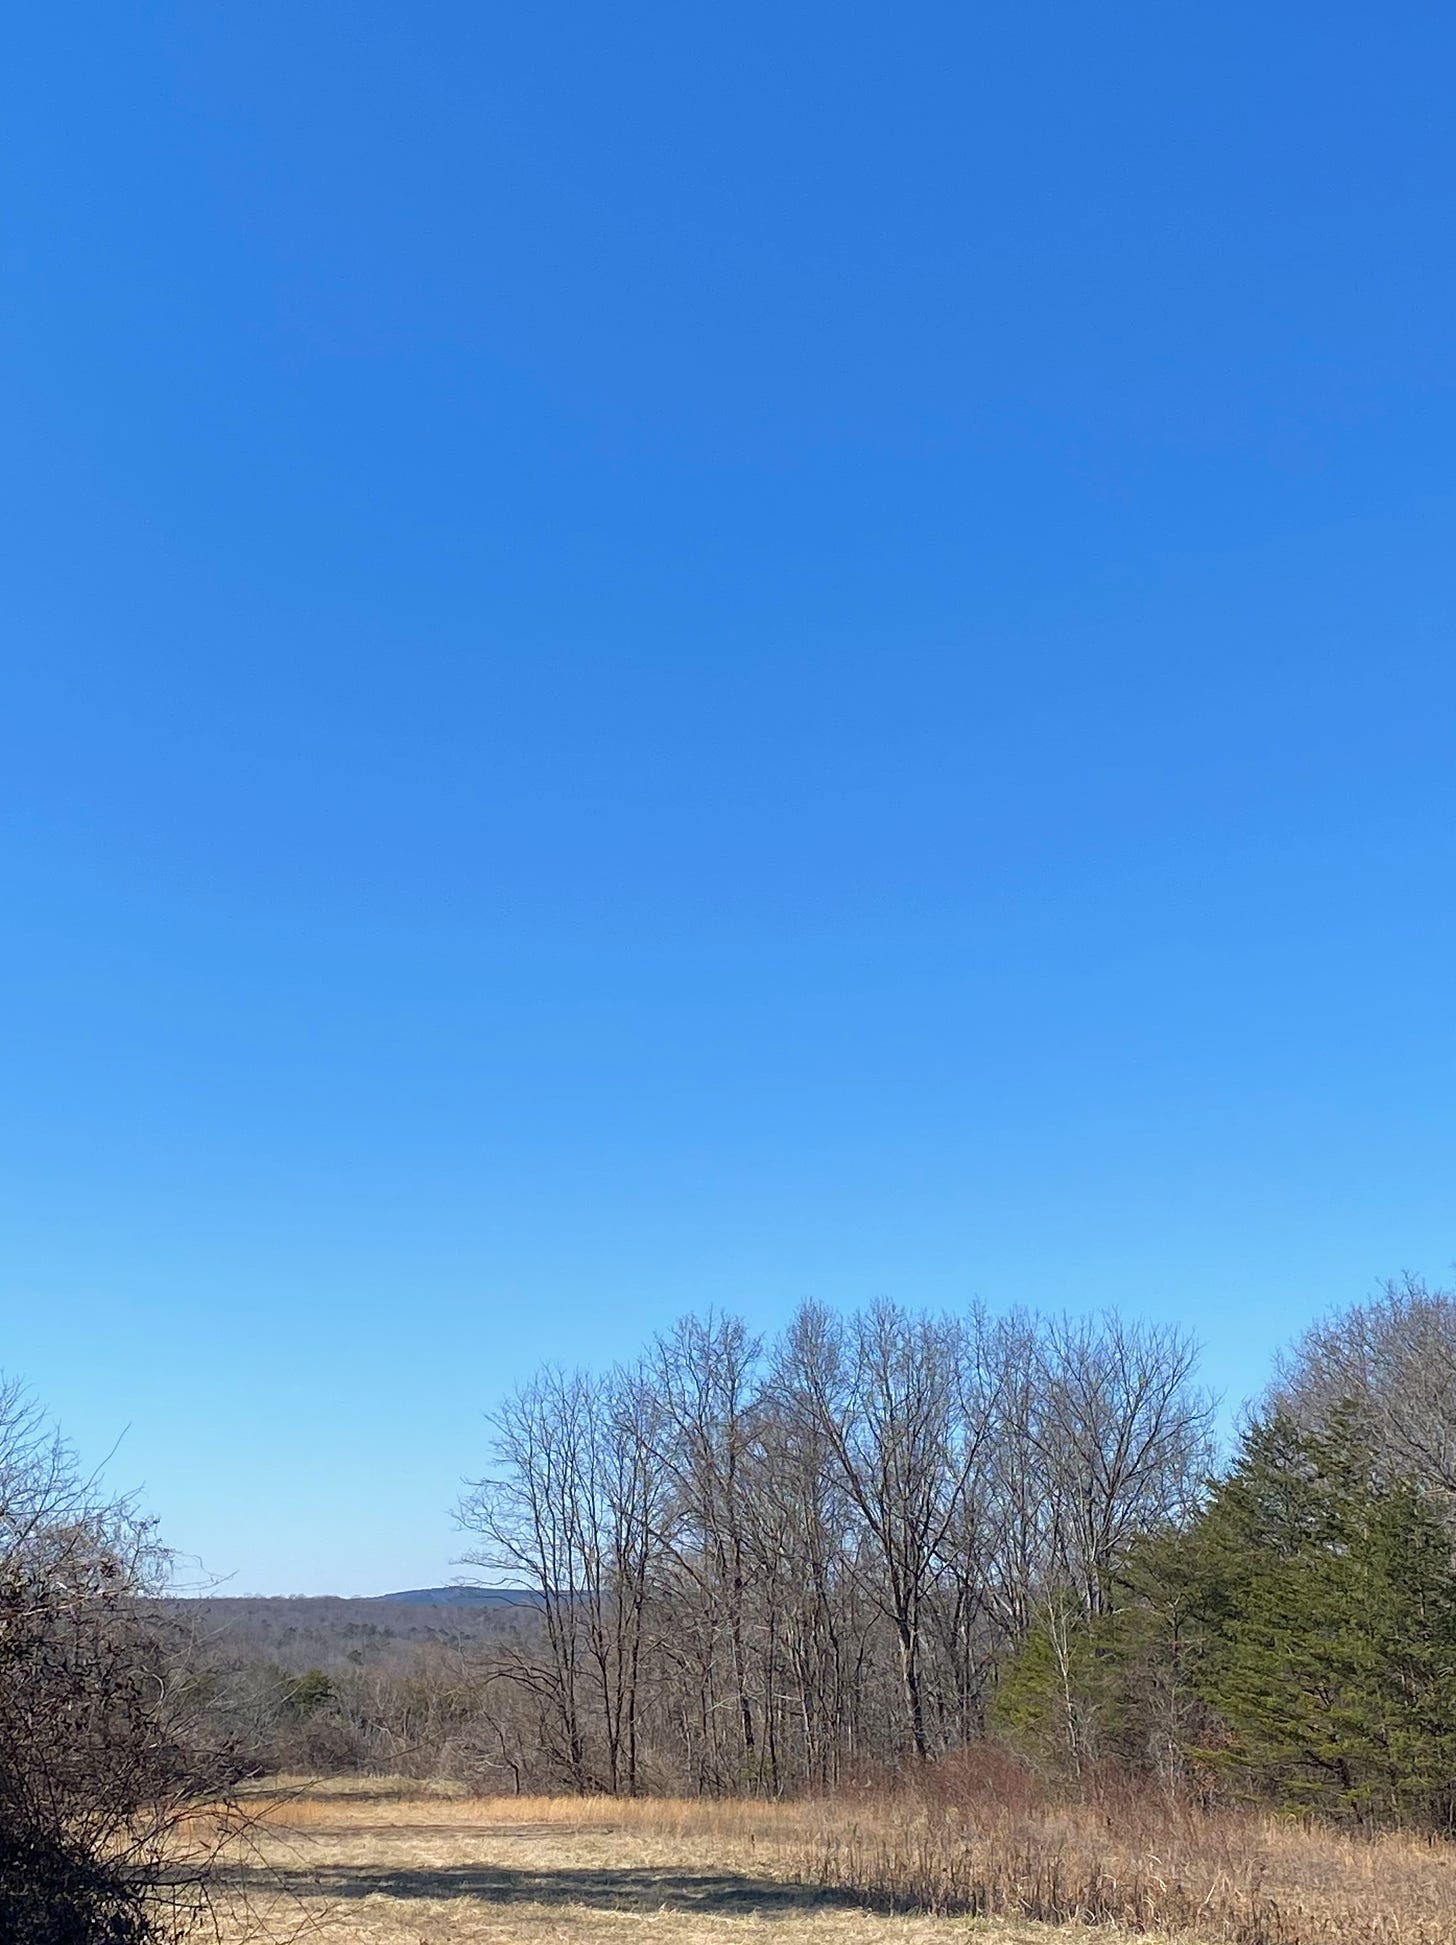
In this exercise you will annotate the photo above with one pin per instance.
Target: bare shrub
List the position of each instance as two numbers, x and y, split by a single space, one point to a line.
101 1759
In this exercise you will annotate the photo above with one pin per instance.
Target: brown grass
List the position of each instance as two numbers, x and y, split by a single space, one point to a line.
1244 1878
385 1863
361 1868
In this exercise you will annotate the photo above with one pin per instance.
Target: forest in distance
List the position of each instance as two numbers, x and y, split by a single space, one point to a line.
881 1548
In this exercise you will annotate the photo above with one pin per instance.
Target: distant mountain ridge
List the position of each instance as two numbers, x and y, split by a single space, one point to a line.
463 1597
333 1632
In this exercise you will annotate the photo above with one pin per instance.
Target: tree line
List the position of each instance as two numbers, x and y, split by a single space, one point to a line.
769 1566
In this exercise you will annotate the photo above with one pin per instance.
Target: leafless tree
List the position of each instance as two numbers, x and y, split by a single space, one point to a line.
1395 1356
885 1394
1124 1438
573 1509
704 1373
761 1568
526 1520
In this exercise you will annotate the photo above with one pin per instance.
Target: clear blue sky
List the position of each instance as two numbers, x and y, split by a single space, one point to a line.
663 656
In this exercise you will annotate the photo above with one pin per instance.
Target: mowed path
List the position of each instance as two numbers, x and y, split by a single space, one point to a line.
386 1872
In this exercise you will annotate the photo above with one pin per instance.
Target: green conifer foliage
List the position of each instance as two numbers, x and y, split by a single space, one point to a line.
1327 1608
1297 1639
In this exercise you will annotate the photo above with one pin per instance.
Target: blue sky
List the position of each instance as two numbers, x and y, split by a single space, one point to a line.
664 656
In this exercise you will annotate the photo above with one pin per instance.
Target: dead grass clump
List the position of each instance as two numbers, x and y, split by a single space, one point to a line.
1243 1878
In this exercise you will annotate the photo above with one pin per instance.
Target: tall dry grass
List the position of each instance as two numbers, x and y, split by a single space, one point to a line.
985 1843
980 1838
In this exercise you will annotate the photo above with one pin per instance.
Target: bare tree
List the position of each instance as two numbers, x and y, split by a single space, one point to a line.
1018 1508
759 1571
525 1519
1123 1435
573 1510
704 1372
1394 1356
886 1396
804 1527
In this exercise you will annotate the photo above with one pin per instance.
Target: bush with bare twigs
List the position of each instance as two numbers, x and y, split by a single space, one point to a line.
101 1755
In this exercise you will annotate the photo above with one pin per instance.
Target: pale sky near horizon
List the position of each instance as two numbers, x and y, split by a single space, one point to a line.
663 657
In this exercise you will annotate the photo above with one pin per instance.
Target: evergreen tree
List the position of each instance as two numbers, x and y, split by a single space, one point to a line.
1299 1636
1326 1607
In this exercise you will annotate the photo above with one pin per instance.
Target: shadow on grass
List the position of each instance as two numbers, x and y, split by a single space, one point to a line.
706 1893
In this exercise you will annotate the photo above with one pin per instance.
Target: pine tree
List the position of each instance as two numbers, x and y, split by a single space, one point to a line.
1323 1605
1298 1637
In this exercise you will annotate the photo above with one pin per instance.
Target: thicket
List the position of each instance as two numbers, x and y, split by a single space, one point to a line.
101 1747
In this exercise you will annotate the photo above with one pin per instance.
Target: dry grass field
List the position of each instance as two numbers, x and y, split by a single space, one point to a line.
392 1865
379 1863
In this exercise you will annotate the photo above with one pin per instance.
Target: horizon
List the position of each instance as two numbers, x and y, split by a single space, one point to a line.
669 663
